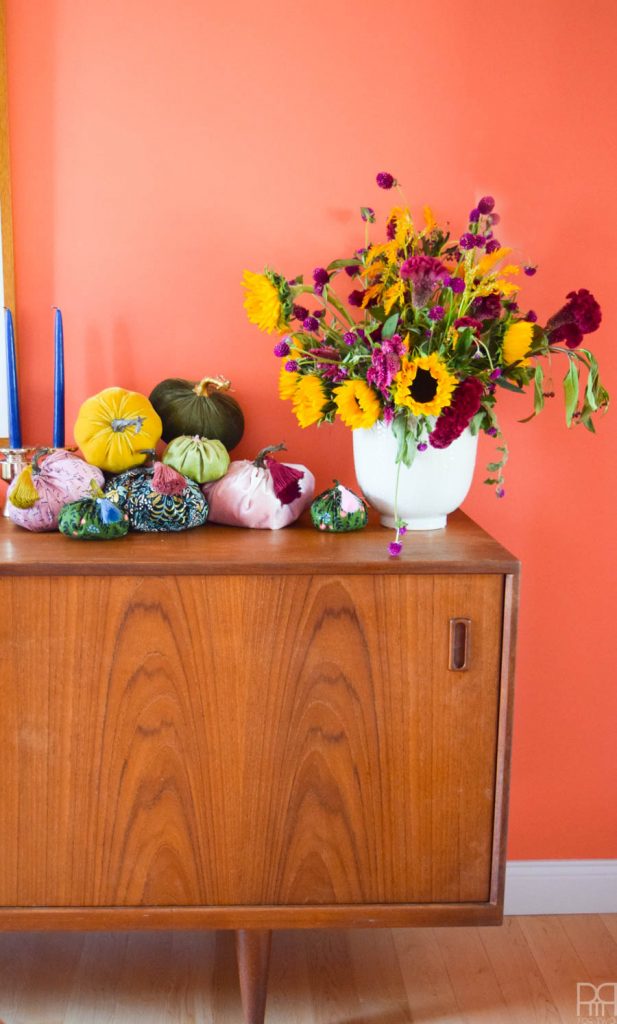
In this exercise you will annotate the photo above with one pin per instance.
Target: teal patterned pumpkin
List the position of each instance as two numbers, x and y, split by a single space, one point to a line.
198 458
158 500
339 510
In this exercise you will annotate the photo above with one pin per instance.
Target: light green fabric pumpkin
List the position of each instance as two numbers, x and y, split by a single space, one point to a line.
198 458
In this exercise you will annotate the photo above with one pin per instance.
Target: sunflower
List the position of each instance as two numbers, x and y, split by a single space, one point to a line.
308 400
357 403
262 302
287 383
517 342
424 385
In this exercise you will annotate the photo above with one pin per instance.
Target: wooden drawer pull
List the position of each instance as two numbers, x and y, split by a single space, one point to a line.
460 636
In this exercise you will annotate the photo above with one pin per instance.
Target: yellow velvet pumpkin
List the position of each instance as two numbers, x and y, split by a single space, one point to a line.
114 427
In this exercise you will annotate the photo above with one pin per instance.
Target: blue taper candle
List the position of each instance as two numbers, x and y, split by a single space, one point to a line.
58 438
11 380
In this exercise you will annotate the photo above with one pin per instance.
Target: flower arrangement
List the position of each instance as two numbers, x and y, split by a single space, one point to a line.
431 330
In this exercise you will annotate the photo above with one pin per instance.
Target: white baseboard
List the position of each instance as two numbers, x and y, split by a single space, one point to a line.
561 887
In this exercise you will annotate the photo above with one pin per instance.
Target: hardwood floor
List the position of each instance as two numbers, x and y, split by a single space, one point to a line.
523 973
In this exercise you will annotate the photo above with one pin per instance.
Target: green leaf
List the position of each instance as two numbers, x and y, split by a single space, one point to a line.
406 442
389 328
538 382
502 383
339 264
570 390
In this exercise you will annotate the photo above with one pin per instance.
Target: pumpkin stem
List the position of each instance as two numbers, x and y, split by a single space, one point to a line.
208 385
260 461
118 426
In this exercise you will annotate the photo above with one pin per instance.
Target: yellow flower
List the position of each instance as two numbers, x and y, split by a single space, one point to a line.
429 220
507 288
358 405
308 400
517 342
371 293
287 383
424 385
490 260
262 302
393 295
404 225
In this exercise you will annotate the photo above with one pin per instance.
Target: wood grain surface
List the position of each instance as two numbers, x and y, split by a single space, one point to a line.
185 741
462 547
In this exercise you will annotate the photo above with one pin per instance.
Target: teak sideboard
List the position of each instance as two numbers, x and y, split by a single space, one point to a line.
251 730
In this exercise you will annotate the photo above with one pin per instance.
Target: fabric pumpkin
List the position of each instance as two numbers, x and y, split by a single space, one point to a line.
93 518
116 428
53 480
158 500
263 494
203 407
339 510
198 458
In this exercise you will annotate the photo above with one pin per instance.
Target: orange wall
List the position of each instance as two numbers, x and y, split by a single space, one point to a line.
158 148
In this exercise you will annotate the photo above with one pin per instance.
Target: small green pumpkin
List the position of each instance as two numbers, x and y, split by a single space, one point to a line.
199 458
202 407
339 510
93 518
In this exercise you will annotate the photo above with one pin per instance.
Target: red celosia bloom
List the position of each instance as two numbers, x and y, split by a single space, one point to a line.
459 414
582 312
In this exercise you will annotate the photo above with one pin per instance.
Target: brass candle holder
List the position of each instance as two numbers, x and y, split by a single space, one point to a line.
16 459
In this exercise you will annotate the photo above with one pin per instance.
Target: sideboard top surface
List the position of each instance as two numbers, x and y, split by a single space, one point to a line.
462 546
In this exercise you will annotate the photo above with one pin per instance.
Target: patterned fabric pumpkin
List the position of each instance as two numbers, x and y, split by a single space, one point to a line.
339 510
94 518
158 500
41 490
263 494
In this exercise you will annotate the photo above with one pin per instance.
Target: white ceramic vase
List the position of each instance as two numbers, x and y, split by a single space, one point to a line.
435 484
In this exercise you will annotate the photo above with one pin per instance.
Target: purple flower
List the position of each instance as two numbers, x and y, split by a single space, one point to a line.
299 312
436 313
492 431
580 315
320 276
486 204
500 492
368 214
388 414
281 349
422 446
291 366
493 245
464 405
480 241
391 229
394 548
531 316
474 215
512 305
425 273
310 323
530 270
352 271
394 345
319 313
467 240
456 284
355 298
385 180
494 218
349 338
495 374
486 307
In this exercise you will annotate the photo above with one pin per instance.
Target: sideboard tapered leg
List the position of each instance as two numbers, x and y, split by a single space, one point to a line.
253 953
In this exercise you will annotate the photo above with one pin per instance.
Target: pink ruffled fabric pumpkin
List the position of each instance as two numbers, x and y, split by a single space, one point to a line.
263 494
57 478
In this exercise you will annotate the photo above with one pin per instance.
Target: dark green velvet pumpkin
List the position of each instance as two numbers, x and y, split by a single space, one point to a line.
203 408
339 510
